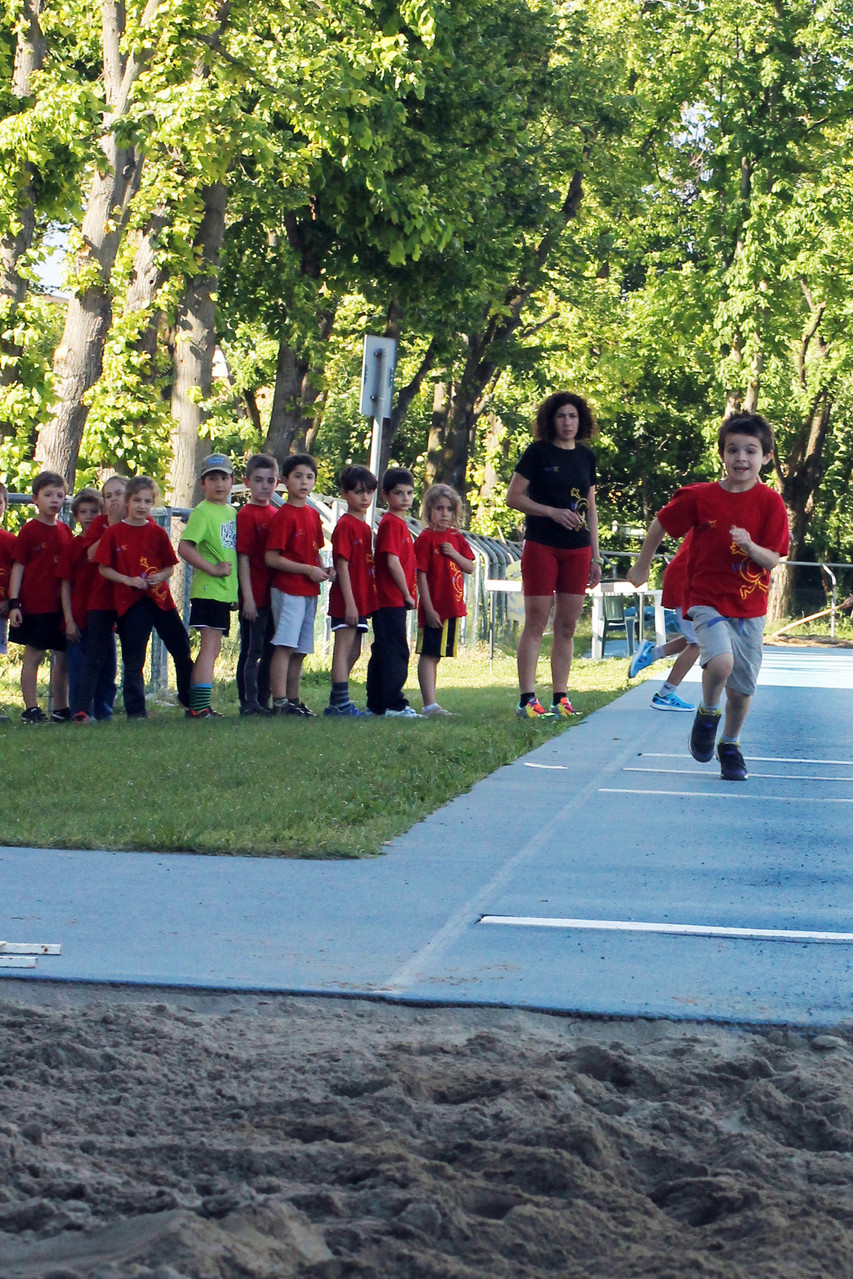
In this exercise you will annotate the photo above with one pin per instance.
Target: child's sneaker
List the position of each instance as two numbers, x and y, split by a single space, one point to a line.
349 710
563 709
81 718
732 765
34 715
435 711
703 735
255 708
299 708
671 702
532 710
408 712
641 659
62 716
207 713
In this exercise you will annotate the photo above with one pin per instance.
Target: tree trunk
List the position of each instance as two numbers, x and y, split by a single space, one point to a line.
405 396
437 431
291 372
15 242
80 355
194 347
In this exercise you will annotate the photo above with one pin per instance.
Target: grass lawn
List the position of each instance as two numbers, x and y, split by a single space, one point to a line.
279 787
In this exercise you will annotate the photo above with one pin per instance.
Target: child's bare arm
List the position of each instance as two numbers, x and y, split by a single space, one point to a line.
316 572
395 568
16 577
432 618
638 573
244 575
344 582
193 557
72 630
161 575
759 555
113 575
460 560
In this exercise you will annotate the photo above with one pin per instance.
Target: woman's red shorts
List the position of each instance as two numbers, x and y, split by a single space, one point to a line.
546 569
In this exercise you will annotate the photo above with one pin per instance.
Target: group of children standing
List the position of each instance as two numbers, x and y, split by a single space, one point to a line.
68 595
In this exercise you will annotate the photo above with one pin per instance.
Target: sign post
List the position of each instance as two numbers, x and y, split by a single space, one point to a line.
377 392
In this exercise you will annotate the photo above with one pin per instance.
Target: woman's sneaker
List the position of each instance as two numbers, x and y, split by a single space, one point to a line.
563 709
732 765
671 702
703 735
532 710
641 659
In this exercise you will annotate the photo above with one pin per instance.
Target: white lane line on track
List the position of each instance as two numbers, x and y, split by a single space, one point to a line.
779 777
552 768
681 930
757 759
729 794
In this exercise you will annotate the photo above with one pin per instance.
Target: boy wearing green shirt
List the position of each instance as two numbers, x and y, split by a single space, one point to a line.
209 546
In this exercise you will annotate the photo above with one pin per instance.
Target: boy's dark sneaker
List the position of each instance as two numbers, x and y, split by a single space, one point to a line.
34 715
62 716
703 735
207 713
732 766
255 708
299 708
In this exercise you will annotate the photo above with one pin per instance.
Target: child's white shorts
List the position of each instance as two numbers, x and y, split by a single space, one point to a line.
743 637
293 618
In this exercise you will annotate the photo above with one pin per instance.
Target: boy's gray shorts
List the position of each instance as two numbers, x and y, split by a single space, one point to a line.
293 617
743 637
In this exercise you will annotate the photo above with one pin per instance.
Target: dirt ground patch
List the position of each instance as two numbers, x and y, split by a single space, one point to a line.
165 1135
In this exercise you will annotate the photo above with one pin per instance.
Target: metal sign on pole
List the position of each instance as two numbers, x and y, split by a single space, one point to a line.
377 391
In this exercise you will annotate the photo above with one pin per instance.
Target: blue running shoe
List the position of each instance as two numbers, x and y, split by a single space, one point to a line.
349 710
641 659
670 702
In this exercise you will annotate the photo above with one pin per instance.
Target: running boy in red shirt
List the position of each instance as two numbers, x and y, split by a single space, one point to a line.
396 591
442 556
35 611
740 532
352 598
256 628
137 556
293 554
77 574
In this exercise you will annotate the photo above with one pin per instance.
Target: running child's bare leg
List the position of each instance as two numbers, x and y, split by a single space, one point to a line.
714 677
737 707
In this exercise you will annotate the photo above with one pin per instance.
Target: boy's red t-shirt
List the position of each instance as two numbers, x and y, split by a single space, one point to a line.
76 567
445 579
134 549
101 594
351 541
719 573
38 547
297 534
7 554
253 523
393 537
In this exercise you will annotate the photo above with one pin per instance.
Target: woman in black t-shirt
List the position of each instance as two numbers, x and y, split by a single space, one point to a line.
554 486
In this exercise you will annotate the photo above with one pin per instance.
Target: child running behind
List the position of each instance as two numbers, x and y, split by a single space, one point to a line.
209 546
442 556
137 556
352 598
253 523
683 648
740 532
35 610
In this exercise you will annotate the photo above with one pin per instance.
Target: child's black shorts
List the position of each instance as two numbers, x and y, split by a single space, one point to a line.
213 615
439 641
40 630
340 624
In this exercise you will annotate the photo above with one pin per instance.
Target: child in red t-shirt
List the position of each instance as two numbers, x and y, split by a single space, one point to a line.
293 553
35 611
137 556
442 556
96 689
7 546
76 576
740 532
396 591
256 628
352 599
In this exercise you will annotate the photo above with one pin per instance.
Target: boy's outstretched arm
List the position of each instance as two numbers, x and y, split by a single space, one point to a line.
638 573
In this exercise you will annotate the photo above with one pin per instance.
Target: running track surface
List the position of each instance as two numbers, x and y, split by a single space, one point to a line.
605 873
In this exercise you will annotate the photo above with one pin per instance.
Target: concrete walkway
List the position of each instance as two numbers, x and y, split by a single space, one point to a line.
604 873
